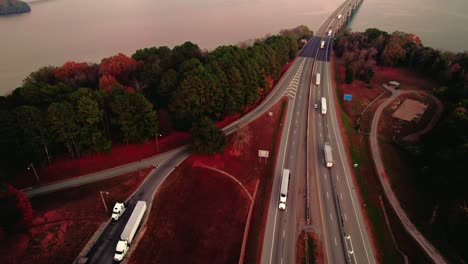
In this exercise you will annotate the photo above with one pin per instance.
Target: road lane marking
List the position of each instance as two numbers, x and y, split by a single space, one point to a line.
338 179
341 196
327 196
331 216
284 232
345 217
336 244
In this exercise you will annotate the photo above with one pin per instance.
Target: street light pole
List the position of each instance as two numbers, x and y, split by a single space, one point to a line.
102 197
34 169
157 144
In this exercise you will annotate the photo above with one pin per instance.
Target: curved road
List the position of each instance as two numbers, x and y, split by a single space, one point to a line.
430 250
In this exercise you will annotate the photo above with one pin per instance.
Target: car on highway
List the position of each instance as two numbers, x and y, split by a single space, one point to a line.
316 106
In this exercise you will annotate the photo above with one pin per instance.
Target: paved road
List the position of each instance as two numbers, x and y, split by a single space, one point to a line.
97 176
430 250
332 193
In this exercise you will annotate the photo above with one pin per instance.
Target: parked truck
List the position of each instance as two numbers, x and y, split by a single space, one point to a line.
129 231
322 44
327 152
284 189
317 79
323 103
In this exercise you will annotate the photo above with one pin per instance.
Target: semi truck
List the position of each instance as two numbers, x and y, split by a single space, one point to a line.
339 16
129 231
323 103
284 189
117 212
322 44
317 79
327 152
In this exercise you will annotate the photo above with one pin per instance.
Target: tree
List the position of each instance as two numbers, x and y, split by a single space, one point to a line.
207 138
32 135
63 123
133 116
89 115
77 74
120 66
349 78
108 83
43 75
393 53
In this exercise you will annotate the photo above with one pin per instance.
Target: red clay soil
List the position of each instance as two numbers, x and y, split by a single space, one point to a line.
65 220
196 210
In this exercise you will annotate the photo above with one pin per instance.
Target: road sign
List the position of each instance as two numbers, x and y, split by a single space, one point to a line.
348 97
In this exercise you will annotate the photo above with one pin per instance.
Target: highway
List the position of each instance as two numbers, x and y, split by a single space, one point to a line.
102 250
304 132
335 212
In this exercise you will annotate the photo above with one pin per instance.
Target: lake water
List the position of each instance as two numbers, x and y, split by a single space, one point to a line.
88 30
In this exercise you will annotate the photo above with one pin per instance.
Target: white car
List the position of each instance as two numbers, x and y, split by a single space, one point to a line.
117 212
316 106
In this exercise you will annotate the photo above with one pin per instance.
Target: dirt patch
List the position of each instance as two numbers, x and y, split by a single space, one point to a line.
65 220
197 210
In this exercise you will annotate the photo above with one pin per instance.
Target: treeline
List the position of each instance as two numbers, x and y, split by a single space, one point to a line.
80 107
441 156
8 7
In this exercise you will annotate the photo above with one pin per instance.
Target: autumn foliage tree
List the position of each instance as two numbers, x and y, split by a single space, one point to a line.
120 66
108 82
77 74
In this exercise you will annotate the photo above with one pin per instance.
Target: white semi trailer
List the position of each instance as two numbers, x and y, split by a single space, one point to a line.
129 231
327 152
284 189
317 79
323 103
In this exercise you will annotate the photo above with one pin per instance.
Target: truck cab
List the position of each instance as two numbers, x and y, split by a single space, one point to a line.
121 250
117 212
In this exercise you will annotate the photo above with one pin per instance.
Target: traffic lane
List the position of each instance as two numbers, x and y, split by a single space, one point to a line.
353 221
296 161
269 245
284 232
331 218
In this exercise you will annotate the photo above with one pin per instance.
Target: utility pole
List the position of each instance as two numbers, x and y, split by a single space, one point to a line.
103 201
34 170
